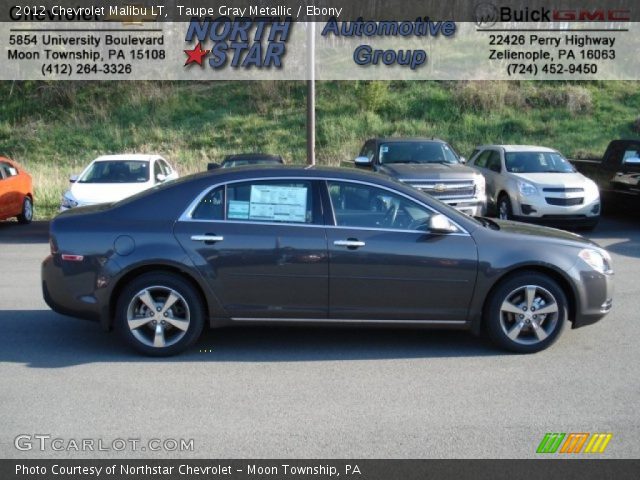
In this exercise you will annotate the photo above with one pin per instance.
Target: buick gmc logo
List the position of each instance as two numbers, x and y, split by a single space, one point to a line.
488 14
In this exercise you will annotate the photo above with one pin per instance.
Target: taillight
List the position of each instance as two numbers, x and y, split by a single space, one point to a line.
72 258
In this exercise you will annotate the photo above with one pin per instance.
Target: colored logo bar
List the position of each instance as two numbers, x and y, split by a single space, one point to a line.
574 442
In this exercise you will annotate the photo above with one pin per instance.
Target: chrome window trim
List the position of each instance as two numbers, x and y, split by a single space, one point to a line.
187 214
349 320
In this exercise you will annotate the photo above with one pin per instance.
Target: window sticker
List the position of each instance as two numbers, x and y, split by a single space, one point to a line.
278 203
384 149
238 210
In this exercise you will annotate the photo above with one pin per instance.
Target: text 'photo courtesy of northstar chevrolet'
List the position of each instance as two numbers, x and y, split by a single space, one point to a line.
316 246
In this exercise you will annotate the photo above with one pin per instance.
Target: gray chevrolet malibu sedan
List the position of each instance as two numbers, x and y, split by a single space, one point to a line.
315 246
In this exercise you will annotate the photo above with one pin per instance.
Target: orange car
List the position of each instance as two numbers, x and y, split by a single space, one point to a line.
16 193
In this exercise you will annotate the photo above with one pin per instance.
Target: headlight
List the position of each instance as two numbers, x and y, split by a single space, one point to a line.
527 189
481 185
592 187
68 201
599 260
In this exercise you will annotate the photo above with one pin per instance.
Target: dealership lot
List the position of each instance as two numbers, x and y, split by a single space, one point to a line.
313 393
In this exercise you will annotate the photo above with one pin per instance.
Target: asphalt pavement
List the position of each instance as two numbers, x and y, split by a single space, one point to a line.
311 393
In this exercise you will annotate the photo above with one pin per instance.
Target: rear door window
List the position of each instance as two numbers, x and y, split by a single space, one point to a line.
271 201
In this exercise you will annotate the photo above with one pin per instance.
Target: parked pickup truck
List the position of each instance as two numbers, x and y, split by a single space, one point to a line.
430 165
617 173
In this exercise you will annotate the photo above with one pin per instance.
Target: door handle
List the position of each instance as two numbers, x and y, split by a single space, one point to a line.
349 243
207 238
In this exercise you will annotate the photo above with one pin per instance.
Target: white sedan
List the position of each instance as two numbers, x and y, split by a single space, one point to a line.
110 178
536 184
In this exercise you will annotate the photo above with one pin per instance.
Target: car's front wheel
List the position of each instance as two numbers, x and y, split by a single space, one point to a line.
27 211
505 212
160 314
526 312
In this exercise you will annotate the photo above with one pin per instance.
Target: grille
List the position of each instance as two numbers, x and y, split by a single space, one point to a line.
446 189
563 190
564 202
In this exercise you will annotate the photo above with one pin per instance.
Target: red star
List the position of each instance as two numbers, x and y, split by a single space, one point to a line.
196 55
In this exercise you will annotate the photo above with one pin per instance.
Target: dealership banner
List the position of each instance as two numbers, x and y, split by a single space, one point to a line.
324 40
318 469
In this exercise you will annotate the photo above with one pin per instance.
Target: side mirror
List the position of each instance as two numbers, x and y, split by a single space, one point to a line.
463 160
212 166
495 168
362 162
73 178
438 223
161 177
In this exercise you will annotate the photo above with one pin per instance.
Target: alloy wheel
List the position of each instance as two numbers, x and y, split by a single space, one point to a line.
529 314
158 316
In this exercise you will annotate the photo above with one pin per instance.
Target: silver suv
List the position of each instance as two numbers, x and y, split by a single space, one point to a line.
536 184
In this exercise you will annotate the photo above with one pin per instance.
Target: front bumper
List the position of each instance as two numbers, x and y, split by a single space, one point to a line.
595 295
537 209
473 207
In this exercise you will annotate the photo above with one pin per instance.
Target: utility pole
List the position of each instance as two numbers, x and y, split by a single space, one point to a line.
311 95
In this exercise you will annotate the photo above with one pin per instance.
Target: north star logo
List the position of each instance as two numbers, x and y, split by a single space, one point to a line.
196 55
239 43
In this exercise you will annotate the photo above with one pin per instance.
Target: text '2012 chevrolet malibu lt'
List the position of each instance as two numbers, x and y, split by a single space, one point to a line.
315 246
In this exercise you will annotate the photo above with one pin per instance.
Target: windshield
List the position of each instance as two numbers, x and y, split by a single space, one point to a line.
417 152
116 171
537 162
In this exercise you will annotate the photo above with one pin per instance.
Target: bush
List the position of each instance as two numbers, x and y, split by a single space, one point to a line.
636 125
487 96
577 99
375 95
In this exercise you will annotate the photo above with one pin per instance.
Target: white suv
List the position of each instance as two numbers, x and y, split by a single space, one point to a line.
536 184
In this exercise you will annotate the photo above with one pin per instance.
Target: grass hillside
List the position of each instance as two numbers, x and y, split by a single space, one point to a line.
55 128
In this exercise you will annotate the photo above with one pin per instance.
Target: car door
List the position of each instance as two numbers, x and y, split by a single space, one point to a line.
626 176
385 265
262 247
4 193
479 163
9 191
169 172
493 174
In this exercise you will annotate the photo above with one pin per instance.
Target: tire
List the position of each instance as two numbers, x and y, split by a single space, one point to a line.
591 226
26 215
513 328
159 333
504 210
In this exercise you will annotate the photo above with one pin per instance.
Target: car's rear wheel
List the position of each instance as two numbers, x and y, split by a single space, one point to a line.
505 212
526 312
160 314
590 226
27 211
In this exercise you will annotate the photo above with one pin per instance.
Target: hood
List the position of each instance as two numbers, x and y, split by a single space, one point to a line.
546 234
430 171
94 193
557 180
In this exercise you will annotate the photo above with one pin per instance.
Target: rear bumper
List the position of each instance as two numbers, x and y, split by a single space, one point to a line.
59 282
